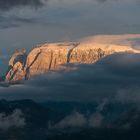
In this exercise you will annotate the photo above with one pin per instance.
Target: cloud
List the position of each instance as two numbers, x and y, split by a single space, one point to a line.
102 80
14 119
131 94
101 0
9 4
79 120
15 21
19 12
74 120
96 119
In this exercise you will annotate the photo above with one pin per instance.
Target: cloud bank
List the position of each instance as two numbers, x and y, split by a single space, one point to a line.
115 77
15 119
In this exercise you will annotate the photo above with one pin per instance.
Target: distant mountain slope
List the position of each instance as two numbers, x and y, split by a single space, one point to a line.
51 56
36 120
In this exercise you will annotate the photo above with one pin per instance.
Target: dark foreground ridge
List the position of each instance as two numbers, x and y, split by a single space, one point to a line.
36 121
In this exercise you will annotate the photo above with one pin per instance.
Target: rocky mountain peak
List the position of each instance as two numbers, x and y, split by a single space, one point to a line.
16 66
52 56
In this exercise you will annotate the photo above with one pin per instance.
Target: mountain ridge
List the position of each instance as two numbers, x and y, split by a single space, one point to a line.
53 56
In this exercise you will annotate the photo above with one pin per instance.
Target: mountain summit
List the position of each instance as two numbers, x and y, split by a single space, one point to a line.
52 56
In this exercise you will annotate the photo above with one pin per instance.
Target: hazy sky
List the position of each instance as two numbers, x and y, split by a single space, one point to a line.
25 23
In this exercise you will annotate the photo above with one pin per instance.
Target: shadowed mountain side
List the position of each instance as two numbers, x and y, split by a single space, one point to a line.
34 121
35 116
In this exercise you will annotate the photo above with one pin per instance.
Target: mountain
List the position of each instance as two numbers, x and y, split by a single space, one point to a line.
28 120
25 120
16 66
53 56
129 120
125 127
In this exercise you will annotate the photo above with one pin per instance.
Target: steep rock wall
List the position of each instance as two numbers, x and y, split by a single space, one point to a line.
53 56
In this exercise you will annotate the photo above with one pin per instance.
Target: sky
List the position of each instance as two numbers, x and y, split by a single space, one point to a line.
114 79
26 23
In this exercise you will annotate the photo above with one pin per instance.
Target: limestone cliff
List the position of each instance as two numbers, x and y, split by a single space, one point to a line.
16 69
52 56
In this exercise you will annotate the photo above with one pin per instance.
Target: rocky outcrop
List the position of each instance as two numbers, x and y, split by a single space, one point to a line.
47 57
16 69
52 56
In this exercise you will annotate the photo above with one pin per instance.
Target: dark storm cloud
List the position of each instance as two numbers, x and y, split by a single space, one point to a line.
9 19
9 4
110 78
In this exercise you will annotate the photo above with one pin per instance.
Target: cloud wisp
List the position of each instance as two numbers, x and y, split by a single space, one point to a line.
15 119
81 120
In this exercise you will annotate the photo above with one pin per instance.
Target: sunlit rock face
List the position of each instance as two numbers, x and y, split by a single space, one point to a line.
47 57
91 52
53 56
16 69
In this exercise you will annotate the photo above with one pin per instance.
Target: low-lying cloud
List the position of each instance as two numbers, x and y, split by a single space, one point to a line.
74 120
79 120
14 119
105 79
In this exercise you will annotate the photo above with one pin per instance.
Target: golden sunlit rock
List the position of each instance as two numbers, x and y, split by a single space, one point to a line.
52 56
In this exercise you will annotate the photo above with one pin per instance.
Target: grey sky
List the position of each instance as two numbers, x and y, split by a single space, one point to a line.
27 23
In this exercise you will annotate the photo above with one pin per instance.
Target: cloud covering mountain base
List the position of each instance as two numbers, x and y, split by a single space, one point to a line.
115 77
